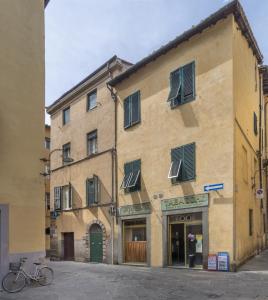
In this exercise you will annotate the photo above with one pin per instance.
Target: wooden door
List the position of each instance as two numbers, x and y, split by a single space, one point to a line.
136 252
96 244
68 246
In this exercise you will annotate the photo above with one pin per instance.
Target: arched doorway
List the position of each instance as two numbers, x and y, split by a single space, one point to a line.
96 243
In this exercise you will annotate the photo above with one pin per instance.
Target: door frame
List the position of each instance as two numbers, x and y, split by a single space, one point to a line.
165 231
147 218
65 234
90 233
104 236
196 222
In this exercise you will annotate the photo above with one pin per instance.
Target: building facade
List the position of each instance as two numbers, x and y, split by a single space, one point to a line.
190 148
82 177
22 211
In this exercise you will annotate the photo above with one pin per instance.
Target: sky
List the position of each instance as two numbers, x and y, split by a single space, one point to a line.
82 34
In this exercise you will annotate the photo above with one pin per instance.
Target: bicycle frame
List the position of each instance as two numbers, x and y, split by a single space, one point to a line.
27 275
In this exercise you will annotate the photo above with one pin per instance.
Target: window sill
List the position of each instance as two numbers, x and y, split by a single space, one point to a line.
182 182
132 125
184 102
91 109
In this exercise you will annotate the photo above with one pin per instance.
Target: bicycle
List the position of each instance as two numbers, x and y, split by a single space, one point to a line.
15 280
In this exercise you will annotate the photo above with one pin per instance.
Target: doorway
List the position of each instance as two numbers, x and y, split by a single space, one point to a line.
96 244
177 245
185 240
68 241
135 241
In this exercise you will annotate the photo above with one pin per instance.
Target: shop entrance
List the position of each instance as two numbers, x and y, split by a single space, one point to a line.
135 241
68 241
186 240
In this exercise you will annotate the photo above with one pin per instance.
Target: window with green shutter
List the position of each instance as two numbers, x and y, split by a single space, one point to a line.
132 181
92 190
182 85
183 158
132 110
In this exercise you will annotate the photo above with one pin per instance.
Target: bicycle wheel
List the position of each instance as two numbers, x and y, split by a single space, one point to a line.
13 282
45 276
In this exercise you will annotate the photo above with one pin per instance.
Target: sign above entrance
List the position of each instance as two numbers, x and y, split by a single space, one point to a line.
213 187
136 209
185 202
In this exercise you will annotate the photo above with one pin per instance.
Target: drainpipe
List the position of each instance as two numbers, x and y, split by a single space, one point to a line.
260 129
114 167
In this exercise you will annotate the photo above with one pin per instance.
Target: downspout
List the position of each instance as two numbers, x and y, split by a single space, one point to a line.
112 206
114 167
260 132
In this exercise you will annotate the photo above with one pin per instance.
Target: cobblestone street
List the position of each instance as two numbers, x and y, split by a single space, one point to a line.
100 282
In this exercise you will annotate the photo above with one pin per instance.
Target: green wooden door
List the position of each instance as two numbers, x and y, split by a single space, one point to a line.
96 245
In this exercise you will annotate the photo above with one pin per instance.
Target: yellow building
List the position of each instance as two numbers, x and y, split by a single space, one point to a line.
188 123
22 79
82 179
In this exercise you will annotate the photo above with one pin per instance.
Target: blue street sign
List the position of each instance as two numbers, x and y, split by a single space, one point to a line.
213 187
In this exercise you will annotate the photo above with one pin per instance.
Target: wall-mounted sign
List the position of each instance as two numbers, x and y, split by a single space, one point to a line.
214 187
223 261
259 194
199 243
212 262
136 209
185 202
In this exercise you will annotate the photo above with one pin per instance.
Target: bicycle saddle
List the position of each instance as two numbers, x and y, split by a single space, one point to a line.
37 263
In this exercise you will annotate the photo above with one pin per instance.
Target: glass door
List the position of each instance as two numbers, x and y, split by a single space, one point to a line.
194 245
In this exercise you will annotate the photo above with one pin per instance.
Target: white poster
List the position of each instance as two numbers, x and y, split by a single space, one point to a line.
199 243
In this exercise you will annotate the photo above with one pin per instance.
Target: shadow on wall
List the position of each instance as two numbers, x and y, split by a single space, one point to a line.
140 196
187 188
188 115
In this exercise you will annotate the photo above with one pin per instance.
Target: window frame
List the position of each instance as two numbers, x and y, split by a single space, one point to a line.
250 217
96 184
70 200
134 187
130 99
63 151
180 178
88 100
90 137
182 101
64 122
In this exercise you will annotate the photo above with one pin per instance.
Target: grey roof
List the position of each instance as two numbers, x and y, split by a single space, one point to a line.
62 97
233 7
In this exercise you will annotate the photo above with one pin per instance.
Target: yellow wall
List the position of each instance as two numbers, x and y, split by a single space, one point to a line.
22 122
246 101
207 121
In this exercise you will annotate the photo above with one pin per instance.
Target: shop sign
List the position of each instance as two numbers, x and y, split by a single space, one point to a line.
223 261
212 262
136 209
185 202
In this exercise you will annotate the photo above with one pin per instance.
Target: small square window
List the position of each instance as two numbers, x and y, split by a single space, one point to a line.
92 100
66 115
93 190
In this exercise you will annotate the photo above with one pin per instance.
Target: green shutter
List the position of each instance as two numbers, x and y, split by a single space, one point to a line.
135 108
255 123
177 155
96 189
188 164
127 111
90 192
70 195
187 155
133 167
175 87
57 198
188 76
